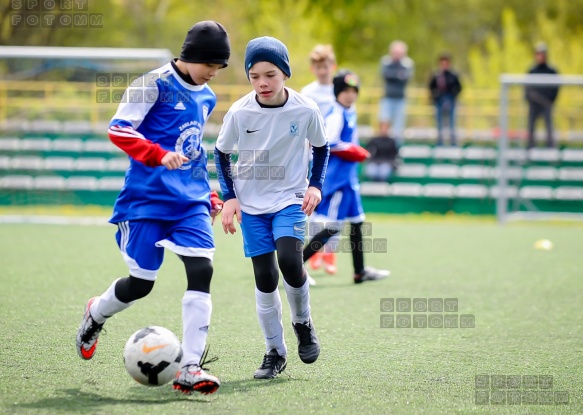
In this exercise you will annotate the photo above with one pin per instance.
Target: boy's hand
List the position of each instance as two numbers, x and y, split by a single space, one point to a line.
172 160
311 199
230 209
216 206
215 211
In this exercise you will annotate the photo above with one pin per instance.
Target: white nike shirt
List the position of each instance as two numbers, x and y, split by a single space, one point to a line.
322 94
273 146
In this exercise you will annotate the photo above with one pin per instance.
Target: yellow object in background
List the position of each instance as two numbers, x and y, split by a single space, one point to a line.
543 244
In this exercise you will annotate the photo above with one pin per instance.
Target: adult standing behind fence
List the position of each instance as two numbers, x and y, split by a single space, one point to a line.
445 87
397 69
541 98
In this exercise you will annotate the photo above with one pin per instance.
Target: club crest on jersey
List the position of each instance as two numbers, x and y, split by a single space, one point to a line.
294 128
188 144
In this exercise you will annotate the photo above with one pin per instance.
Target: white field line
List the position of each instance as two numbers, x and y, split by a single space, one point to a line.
55 220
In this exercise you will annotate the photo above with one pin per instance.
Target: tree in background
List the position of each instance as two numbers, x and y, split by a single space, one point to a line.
480 35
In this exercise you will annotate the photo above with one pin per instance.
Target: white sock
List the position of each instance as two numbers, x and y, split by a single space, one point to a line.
196 318
269 313
107 304
299 302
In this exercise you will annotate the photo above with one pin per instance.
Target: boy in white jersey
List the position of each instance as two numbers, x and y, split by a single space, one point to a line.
322 65
166 200
272 128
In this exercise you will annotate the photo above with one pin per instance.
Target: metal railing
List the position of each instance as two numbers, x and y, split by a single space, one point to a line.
477 110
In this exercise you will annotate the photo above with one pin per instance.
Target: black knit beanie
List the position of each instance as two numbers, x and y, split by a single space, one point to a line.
206 42
343 80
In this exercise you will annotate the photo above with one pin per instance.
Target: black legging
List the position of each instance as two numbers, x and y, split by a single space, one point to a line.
320 239
289 258
199 272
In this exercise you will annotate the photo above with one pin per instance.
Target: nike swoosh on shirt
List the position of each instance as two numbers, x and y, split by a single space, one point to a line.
251 131
147 349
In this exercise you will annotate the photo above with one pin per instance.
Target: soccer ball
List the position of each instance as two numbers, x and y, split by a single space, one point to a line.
152 356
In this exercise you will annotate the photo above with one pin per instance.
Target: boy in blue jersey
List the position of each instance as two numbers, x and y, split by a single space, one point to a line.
272 129
341 191
166 201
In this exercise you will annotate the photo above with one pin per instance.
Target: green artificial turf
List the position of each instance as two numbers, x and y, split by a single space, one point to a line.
527 304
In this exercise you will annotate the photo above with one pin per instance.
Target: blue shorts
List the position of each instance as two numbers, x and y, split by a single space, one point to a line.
142 242
342 205
261 231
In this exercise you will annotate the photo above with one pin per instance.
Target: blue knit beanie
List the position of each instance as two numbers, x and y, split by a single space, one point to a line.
267 49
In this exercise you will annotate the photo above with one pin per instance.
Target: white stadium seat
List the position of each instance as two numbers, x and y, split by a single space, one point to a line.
111 183
72 145
569 193
511 192
374 189
479 153
208 146
448 153
4 162
541 173
473 191
76 127
35 144
16 182
15 125
438 190
415 152
444 171
215 185
59 163
118 164
572 155
516 154
412 170
571 173
99 146
536 192
406 189
90 164
512 173
473 171
543 154
81 183
26 163
9 144
46 126
49 182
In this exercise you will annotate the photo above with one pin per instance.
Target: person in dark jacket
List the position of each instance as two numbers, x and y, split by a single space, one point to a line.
396 70
383 158
541 98
445 87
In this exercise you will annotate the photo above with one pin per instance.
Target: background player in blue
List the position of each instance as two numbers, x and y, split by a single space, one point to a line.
166 200
323 66
272 128
341 191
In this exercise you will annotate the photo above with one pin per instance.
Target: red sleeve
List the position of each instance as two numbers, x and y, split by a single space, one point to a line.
350 152
136 145
215 200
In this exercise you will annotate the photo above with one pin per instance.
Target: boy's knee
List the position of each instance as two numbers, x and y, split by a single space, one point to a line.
199 272
132 289
289 262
